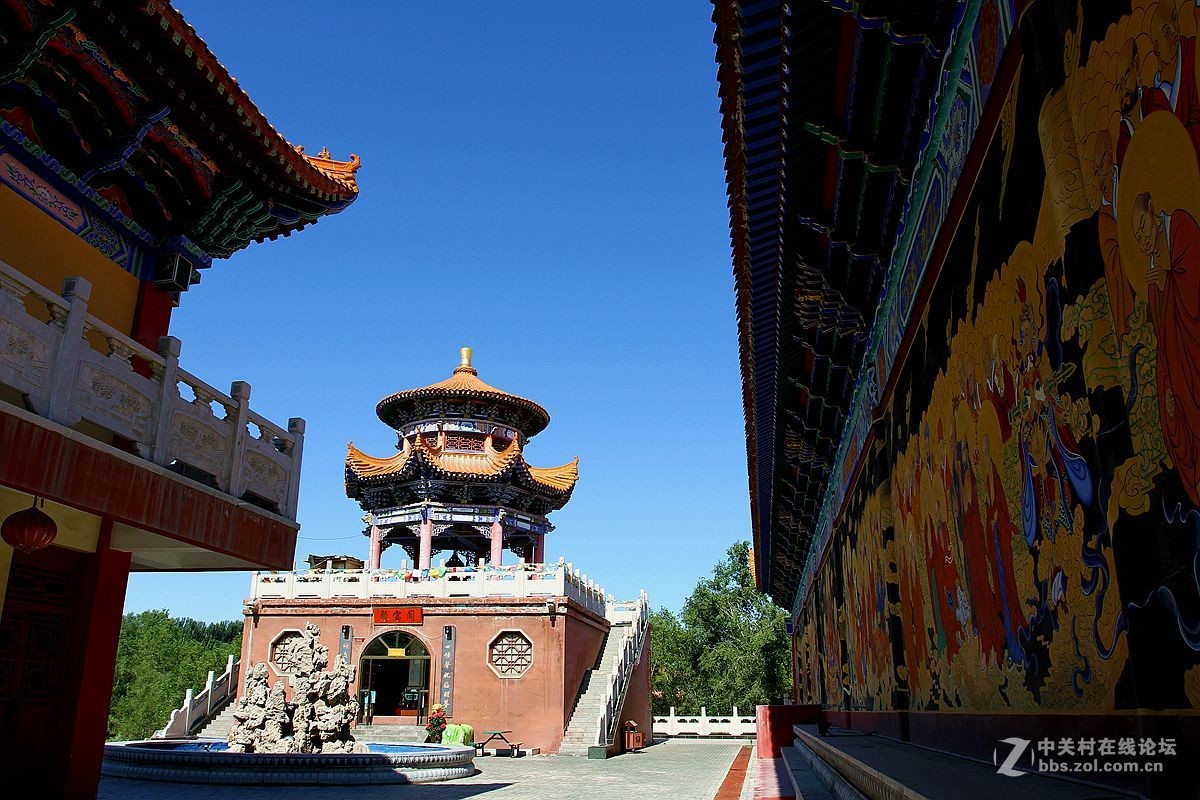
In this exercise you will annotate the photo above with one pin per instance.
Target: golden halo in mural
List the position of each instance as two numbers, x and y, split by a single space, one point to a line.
1160 160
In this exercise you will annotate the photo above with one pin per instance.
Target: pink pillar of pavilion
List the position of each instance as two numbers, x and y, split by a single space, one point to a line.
426 544
497 544
376 547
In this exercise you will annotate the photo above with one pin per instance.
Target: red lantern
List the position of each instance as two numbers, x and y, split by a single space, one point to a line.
30 529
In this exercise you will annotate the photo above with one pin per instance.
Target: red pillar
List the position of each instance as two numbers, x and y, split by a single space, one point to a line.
539 549
151 316
497 544
103 601
376 548
426 544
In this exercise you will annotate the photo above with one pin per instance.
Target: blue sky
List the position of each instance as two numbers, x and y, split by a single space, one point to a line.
542 182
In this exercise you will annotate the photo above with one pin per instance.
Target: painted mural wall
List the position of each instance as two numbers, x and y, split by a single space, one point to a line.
1025 535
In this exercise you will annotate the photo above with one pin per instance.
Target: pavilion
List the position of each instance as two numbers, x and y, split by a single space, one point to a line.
534 649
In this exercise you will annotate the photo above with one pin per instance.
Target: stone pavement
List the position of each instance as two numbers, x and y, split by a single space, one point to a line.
679 769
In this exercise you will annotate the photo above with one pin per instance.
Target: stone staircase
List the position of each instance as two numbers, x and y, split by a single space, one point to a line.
218 727
389 734
581 730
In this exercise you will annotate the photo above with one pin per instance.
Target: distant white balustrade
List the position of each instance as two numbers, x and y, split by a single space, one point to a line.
197 709
517 580
705 724
637 614
71 367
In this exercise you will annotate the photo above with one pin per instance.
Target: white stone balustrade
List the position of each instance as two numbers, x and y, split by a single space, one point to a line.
637 614
71 367
705 724
198 708
517 581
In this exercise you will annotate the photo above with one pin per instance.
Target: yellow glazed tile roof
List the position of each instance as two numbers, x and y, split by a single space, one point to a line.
365 466
490 463
465 382
561 478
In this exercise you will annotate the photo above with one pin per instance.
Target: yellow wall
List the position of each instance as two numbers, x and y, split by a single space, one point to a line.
37 245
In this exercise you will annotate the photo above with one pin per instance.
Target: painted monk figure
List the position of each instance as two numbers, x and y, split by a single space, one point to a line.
1176 77
1172 244
1137 101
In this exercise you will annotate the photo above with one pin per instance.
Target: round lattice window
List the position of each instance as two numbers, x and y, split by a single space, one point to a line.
510 654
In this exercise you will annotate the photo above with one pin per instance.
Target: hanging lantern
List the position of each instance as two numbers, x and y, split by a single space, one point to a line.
29 529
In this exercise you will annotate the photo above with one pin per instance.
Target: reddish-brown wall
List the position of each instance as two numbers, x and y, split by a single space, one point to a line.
534 706
581 651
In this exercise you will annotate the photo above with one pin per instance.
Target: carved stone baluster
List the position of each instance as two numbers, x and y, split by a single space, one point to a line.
296 426
235 480
64 372
119 351
204 400
168 375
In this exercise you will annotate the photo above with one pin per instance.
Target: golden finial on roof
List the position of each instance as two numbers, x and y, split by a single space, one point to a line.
464 362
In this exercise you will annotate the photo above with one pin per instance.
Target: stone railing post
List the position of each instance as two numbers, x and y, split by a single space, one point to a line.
169 348
296 426
208 692
234 477
703 721
187 714
64 374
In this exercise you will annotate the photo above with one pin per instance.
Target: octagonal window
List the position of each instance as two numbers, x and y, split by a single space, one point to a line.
510 655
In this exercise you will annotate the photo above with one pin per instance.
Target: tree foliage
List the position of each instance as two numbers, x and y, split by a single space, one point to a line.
158 659
727 647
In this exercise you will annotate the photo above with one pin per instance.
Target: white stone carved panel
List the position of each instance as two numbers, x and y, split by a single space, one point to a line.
114 402
25 352
265 476
199 444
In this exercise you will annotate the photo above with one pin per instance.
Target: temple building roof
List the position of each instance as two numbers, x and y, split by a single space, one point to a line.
127 106
491 464
825 108
464 384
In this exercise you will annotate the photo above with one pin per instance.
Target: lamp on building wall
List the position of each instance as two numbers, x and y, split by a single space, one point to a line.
29 529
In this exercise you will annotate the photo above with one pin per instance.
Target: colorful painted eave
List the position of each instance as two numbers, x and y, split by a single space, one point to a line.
157 137
823 109
320 175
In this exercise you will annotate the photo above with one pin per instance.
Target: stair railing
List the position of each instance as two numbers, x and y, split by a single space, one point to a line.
622 671
197 709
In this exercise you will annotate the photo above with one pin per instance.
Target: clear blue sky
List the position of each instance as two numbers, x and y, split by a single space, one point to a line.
542 182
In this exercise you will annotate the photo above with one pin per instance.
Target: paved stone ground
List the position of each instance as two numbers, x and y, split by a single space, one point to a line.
680 769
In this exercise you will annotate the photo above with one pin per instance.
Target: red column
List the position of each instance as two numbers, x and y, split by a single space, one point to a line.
376 547
103 603
151 316
426 544
539 549
497 544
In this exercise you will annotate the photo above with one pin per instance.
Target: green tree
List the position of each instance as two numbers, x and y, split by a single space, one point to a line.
727 647
158 659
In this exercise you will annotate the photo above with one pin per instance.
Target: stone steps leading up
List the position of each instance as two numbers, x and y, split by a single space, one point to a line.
218 727
389 734
581 730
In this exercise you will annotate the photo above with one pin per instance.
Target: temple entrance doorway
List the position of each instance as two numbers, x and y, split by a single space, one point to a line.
394 680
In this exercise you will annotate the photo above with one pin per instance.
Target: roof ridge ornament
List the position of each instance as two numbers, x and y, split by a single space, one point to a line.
464 361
